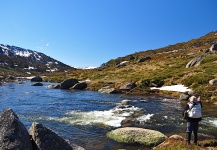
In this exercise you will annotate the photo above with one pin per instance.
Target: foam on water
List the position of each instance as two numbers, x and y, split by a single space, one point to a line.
144 118
111 117
93 117
213 122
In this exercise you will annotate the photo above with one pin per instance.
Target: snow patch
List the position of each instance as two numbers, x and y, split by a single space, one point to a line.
175 88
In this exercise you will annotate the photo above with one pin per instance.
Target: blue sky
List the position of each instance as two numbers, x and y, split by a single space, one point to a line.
85 33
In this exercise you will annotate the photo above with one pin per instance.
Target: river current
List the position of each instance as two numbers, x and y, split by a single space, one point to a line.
84 117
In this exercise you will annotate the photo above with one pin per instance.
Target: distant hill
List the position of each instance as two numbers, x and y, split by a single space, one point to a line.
25 60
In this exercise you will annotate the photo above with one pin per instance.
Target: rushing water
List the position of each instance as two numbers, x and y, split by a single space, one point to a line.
84 117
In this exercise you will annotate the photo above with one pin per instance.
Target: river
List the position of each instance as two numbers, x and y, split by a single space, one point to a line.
84 117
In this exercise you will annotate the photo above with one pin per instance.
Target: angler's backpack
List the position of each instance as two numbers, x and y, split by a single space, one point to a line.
195 112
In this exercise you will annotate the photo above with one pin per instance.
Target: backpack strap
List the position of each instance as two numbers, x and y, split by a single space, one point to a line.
191 107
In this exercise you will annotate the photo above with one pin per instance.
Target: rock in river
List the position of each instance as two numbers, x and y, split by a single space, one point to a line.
46 139
13 134
137 135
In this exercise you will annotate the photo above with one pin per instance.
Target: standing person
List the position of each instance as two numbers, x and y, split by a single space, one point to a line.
194 116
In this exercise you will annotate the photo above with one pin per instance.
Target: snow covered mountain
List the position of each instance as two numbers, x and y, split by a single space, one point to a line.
16 57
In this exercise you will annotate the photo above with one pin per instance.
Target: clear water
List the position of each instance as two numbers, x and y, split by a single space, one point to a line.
84 117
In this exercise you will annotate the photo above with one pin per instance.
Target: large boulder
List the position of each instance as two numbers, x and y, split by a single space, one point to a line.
107 89
13 134
46 139
79 86
37 79
137 135
66 84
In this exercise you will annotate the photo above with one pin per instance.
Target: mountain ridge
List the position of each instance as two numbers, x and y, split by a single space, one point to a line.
18 58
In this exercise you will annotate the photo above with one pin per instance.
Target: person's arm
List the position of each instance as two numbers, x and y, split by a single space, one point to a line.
198 99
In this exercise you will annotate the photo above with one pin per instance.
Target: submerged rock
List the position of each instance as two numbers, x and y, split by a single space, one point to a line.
37 84
13 134
130 122
137 135
54 86
125 102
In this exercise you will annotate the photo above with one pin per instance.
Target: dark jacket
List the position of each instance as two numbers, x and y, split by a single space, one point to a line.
192 119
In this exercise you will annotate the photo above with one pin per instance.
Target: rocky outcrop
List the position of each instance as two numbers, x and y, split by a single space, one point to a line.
46 139
37 79
144 59
195 61
213 47
79 86
128 86
137 135
66 84
107 89
213 81
13 134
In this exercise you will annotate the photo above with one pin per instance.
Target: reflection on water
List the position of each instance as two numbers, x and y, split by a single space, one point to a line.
84 117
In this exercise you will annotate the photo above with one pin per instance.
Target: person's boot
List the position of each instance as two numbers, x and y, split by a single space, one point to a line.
195 138
188 137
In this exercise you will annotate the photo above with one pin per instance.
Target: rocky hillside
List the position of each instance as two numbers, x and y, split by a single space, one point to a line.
189 63
28 61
